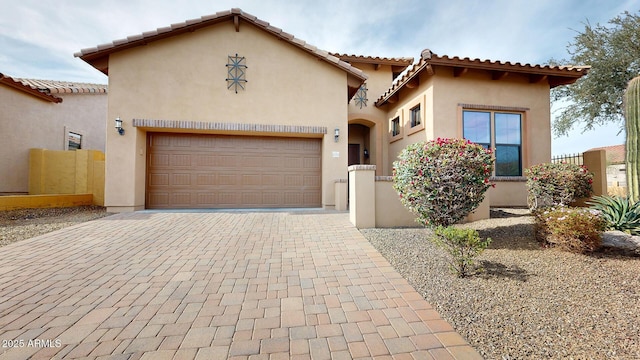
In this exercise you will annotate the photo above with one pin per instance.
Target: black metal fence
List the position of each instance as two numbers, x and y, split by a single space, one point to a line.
568 158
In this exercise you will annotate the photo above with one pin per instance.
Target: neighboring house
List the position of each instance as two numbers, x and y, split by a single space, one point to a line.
53 115
228 111
616 167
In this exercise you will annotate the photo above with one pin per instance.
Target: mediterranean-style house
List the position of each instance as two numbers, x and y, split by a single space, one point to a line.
54 115
228 111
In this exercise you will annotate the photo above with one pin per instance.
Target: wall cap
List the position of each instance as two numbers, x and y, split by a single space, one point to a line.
508 178
362 167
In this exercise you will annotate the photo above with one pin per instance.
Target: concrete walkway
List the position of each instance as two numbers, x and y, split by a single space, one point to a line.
261 285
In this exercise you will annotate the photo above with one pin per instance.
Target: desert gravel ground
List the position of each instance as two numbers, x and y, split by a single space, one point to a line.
23 224
530 302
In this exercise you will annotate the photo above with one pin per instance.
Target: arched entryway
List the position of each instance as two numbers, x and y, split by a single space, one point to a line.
362 142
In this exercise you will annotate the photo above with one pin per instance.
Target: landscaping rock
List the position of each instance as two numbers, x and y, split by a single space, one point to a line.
621 240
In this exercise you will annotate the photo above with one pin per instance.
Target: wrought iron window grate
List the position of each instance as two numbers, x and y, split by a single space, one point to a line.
236 72
361 96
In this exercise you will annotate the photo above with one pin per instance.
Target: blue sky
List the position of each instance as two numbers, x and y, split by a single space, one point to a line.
38 38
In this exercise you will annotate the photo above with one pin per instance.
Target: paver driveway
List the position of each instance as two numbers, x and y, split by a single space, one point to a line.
213 285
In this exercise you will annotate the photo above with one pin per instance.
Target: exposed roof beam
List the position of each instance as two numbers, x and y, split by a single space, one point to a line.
499 75
430 70
536 78
414 82
236 23
393 99
459 71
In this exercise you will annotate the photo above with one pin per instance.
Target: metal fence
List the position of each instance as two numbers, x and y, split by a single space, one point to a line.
568 158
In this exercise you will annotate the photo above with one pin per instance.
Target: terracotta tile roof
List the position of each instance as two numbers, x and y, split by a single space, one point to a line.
615 153
556 75
29 89
64 87
98 56
44 89
401 61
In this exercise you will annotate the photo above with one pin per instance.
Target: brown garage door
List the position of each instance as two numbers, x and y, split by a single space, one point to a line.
222 171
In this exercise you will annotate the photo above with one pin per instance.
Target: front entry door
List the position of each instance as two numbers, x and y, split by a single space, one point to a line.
354 154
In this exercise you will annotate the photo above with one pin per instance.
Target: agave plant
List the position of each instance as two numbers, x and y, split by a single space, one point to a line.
618 212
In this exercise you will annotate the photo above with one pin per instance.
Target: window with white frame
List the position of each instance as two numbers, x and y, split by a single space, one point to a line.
501 131
74 141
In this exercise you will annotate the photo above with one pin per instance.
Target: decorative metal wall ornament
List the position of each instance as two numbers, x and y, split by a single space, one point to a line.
361 96
236 72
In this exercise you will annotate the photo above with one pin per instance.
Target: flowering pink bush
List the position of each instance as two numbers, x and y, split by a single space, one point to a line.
572 229
557 184
442 180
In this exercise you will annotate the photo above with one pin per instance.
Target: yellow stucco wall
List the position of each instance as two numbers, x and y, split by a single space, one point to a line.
67 172
14 202
28 122
441 97
183 78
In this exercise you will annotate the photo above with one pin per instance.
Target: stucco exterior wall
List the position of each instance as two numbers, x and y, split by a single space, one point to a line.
443 97
28 122
183 78
379 80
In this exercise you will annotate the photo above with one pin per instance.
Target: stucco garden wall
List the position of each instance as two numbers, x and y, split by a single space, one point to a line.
67 172
373 202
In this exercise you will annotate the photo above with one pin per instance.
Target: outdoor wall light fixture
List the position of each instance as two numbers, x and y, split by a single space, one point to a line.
119 128
366 153
336 134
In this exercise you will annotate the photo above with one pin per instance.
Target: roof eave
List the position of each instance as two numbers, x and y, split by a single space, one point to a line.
557 76
98 57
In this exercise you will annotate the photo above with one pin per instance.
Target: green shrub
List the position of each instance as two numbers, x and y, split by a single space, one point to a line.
571 229
618 213
443 180
463 245
557 184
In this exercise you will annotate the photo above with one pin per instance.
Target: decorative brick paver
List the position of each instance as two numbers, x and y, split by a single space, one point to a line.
213 285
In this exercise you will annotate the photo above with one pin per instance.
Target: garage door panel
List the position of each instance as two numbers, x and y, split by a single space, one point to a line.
218 171
158 197
157 160
182 141
311 182
273 180
206 179
159 179
293 163
179 160
251 180
180 198
206 198
271 198
311 197
180 179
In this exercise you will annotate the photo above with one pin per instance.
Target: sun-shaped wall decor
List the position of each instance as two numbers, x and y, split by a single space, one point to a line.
236 72
361 96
